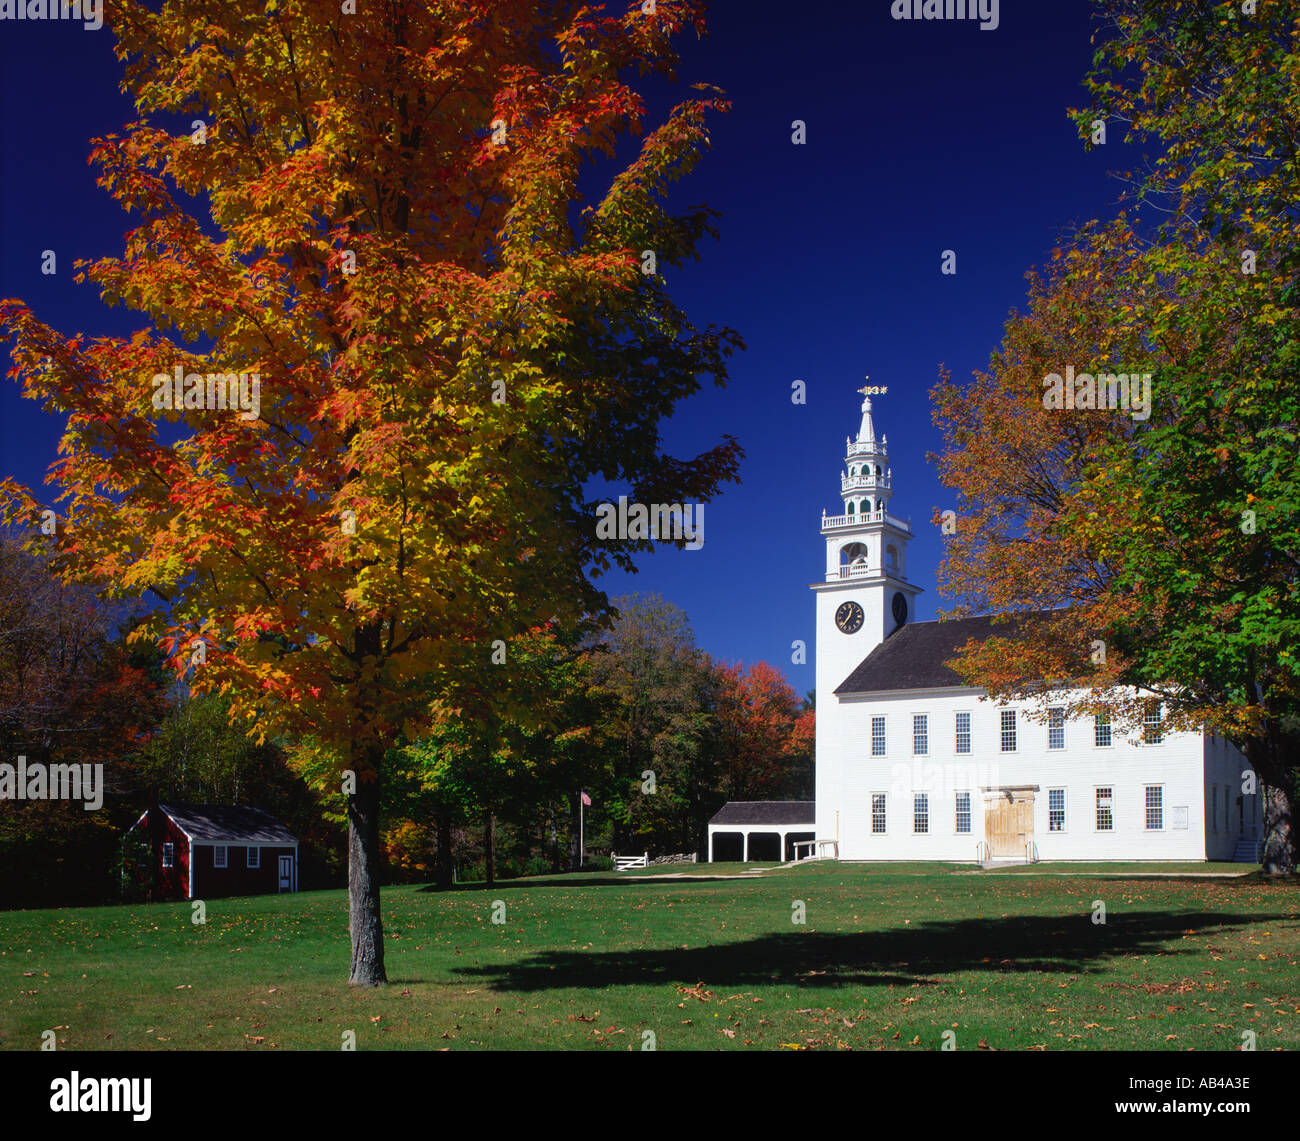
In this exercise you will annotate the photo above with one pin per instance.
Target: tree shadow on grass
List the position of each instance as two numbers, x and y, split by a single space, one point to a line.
922 952
597 881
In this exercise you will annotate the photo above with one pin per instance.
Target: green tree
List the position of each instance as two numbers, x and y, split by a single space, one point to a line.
660 728
1173 540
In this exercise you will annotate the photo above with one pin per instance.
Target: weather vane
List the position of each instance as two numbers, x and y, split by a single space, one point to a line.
873 389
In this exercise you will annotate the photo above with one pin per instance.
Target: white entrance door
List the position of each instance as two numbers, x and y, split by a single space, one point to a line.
286 873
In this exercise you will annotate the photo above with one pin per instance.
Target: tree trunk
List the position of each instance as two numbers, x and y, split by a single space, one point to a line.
1271 756
442 863
1278 858
488 861
364 920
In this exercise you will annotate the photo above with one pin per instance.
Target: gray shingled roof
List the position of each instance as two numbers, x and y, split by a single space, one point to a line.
913 657
766 812
226 823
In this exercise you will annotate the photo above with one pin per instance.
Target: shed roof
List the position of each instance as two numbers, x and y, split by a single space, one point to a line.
766 812
914 656
235 824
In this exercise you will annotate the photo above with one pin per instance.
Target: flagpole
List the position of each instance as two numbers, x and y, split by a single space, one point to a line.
582 845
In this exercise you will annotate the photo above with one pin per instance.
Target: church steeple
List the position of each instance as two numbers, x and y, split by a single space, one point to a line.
864 539
867 486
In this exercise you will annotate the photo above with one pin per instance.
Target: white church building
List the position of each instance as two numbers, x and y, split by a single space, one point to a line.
911 764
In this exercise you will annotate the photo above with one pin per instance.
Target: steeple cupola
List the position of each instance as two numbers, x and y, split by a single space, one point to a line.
867 482
864 539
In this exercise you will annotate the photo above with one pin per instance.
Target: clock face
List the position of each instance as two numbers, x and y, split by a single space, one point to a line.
900 608
849 617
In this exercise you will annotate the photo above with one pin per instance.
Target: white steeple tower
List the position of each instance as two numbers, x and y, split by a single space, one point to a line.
865 595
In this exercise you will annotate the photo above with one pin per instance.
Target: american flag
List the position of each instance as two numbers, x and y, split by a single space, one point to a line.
586 800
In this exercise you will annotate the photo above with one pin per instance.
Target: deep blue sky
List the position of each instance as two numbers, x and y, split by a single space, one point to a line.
922 136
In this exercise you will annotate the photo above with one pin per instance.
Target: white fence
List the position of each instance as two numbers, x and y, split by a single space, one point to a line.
622 863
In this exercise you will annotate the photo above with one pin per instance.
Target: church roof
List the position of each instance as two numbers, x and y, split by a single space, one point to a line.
766 812
913 657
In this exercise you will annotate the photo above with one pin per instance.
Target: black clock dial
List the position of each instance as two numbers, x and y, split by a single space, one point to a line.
849 617
900 608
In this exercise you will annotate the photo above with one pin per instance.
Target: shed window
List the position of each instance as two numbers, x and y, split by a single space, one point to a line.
254 857
169 855
219 856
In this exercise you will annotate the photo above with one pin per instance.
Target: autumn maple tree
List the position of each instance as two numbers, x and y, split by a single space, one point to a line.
377 213
766 732
1165 550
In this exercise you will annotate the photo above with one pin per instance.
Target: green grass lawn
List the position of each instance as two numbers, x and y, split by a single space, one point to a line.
889 957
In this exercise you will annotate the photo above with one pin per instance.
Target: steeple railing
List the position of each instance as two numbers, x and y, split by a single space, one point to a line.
869 448
863 482
830 522
862 570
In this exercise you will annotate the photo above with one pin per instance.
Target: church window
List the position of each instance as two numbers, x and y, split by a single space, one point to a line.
1008 730
1105 818
921 811
851 511
877 736
963 732
963 811
1155 804
1056 810
878 812
1151 734
1101 730
1056 728
920 734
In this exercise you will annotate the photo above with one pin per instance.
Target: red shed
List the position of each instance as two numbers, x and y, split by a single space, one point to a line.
206 851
